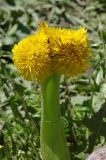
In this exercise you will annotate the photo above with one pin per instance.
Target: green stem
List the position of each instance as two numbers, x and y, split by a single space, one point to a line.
53 142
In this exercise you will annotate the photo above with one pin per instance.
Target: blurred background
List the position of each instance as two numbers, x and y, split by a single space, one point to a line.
82 100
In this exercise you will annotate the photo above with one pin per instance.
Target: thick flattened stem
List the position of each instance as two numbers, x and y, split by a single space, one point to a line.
53 142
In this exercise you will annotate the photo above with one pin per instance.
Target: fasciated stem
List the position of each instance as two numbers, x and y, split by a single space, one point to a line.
53 142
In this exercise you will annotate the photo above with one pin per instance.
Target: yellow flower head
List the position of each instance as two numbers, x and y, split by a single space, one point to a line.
31 56
52 50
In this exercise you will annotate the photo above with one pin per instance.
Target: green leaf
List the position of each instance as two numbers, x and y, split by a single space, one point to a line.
97 102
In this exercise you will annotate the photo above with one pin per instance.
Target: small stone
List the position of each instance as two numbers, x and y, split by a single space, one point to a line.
99 154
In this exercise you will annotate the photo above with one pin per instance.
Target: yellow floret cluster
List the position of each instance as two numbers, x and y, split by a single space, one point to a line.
52 51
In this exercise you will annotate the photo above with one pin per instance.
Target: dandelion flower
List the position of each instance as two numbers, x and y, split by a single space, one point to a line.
52 51
44 56
70 52
31 56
